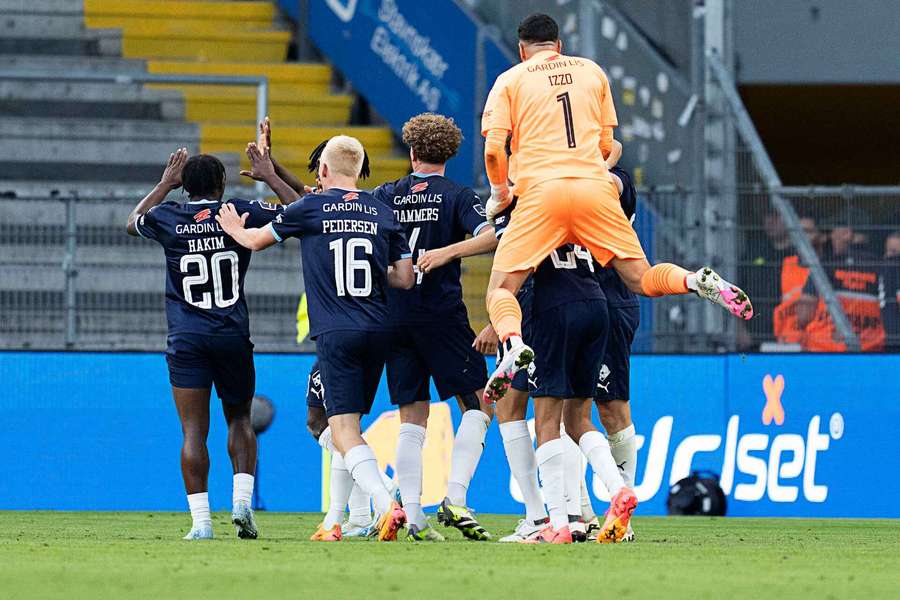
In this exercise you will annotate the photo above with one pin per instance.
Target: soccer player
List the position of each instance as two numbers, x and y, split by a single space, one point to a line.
343 492
209 327
353 248
432 338
560 114
568 321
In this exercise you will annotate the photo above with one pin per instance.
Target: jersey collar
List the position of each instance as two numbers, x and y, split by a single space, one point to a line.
426 175
203 201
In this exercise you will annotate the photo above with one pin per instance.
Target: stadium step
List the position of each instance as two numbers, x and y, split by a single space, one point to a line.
52 27
88 100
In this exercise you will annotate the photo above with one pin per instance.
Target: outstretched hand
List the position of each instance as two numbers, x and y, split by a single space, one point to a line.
229 219
171 176
434 259
264 139
261 166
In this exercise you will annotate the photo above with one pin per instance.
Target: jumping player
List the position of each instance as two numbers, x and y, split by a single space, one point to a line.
353 249
209 327
568 322
560 114
432 338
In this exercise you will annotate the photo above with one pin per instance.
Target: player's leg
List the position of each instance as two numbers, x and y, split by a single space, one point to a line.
234 376
541 224
573 476
551 466
193 411
599 225
596 448
408 384
522 462
613 393
352 363
191 377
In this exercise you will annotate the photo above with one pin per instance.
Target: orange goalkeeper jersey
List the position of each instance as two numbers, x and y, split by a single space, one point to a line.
556 107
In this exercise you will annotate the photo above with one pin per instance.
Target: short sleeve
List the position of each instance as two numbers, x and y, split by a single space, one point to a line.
384 192
399 248
261 213
470 212
147 226
607 107
497 109
290 222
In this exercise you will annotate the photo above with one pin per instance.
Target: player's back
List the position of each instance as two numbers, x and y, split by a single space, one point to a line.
205 267
557 108
348 239
434 212
617 293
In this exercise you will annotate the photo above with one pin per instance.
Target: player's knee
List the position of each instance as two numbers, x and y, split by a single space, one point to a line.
416 413
316 422
614 415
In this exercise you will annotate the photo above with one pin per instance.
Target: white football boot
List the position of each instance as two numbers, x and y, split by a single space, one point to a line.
203 532
709 285
526 531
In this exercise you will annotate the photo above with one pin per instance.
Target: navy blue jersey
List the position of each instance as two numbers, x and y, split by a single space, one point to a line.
347 239
617 293
567 275
434 212
205 268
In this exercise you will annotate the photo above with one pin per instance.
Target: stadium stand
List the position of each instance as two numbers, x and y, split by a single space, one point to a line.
105 144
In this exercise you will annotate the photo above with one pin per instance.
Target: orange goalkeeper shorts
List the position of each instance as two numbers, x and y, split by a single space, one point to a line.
586 212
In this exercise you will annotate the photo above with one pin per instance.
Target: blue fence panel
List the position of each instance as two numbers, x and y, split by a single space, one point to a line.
791 435
399 57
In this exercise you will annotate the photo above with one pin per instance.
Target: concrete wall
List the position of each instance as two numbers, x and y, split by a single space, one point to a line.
817 41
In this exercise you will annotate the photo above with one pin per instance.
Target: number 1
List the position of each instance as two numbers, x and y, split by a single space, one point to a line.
567 117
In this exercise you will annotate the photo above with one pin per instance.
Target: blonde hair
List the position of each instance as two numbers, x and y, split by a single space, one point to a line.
344 155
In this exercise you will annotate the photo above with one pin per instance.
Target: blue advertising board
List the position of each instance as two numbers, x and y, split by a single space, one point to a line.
795 435
399 56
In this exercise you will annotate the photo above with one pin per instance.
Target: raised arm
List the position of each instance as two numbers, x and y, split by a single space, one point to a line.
261 163
264 141
170 180
233 224
482 243
400 274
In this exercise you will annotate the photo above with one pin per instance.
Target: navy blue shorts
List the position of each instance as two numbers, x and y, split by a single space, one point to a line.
198 361
350 365
315 393
613 383
441 352
569 342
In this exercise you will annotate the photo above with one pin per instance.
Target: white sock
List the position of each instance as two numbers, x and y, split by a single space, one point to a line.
552 468
199 505
361 462
409 471
325 439
574 473
623 447
339 492
242 488
587 507
467 449
360 506
596 449
522 463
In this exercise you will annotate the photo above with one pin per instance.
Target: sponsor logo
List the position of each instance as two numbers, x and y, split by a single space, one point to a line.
267 205
345 10
350 196
773 411
202 215
479 209
419 187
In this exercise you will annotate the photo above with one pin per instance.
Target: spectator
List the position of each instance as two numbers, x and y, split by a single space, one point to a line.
856 279
765 252
891 275
796 308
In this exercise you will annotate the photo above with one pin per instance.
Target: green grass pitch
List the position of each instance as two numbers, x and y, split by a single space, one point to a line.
140 555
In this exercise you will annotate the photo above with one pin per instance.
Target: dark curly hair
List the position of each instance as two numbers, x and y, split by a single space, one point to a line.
203 176
433 138
538 28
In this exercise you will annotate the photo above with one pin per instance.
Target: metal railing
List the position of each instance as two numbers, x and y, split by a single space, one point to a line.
749 137
261 83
